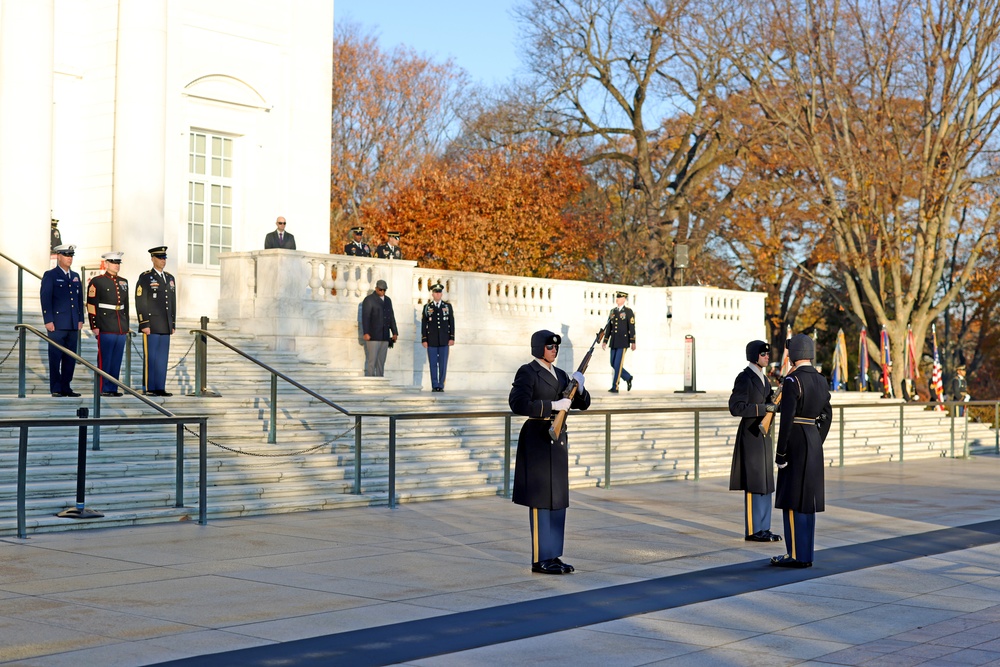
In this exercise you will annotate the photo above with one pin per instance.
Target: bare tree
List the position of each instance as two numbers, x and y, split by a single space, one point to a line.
892 106
638 82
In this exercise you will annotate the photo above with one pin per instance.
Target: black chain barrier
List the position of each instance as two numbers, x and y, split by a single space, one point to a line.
298 453
10 351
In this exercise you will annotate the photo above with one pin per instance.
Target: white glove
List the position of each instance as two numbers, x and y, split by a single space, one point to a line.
782 466
561 404
578 376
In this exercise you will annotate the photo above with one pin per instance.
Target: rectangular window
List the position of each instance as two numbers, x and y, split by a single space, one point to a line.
210 197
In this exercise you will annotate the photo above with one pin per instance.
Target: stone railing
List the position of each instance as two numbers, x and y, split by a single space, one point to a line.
310 303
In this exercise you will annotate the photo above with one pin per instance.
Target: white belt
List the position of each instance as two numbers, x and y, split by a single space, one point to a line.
108 306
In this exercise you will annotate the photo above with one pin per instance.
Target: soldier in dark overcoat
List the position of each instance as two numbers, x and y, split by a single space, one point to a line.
107 309
437 335
805 422
541 470
61 294
620 332
753 455
356 247
156 310
390 249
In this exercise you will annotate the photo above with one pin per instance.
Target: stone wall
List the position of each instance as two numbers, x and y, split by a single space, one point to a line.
310 303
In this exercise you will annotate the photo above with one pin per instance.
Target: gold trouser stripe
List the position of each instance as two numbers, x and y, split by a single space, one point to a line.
750 530
534 534
621 363
791 528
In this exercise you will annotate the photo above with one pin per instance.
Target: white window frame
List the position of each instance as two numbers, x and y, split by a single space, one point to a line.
210 197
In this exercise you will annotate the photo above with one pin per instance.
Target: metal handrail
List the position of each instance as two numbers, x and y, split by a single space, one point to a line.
21 269
22 457
19 265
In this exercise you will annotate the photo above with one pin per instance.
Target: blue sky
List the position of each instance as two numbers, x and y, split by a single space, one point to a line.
478 34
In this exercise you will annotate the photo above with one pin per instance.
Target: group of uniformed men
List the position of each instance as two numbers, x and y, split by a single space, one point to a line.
357 247
107 307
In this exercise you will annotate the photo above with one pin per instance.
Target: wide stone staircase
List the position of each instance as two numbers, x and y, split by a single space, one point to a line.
132 478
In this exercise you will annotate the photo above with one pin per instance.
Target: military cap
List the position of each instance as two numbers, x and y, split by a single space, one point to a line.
65 249
115 257
800 346
437 287
393 235
160 252
621 295
540 339
357 230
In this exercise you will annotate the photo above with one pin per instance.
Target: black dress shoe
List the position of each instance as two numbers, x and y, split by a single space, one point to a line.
57 394
613 391
785 560
163 393
548 567
111 393
71 394
567 568
628 385
771 536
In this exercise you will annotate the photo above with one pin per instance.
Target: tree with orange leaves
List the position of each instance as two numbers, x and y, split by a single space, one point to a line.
391 111
512 210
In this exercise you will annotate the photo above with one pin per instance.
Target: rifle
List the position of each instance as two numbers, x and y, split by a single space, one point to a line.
765 423
573 386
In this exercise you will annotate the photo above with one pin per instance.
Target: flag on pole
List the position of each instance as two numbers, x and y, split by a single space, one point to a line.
886 363
786 363
911 370
840 362
863 360
937 383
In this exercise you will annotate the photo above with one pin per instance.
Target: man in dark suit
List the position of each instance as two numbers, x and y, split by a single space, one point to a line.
107 308
805 422
378 325
541 471
357 247
437 334
156 309
62 311
753 456
279 238
620 332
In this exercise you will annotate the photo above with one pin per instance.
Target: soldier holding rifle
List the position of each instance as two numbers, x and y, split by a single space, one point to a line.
753 456
541 391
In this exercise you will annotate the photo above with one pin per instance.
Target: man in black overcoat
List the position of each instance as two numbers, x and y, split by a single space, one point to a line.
378 327
805 422
753 456
541 470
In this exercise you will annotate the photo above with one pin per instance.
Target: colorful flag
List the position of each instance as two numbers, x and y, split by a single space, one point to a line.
937 383
786 363
886 363
863 360
840 362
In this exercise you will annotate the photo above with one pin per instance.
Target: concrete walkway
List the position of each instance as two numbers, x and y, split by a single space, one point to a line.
907 572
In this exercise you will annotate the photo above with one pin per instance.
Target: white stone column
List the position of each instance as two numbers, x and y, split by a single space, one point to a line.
140 134
26 61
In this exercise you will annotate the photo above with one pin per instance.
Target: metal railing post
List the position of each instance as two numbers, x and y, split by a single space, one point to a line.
392 462
97 411
203 472
506 456
697 445
22 472
272 431
607 451
841 436
900 432
357 455
952 416
996 426
20 295
965 433
80 511
22 361
179 473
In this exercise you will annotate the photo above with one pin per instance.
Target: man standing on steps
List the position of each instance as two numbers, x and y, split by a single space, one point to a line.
156 309
378 324
62 311
437 334
107 308
621 332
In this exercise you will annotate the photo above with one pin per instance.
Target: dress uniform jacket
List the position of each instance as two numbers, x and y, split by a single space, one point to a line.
804 395
753 456
107 304
437 325
62 299
959 388
620 331
358 250
386 251
541 471
156 302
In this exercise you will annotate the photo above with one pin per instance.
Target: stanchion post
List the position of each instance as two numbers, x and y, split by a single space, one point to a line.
506 456
21 362
697 445
607 451
392 462
203 472
272 431
81 511
179 473
97 411
357 455
22 472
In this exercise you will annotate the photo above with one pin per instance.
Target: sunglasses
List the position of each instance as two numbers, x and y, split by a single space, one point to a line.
551 347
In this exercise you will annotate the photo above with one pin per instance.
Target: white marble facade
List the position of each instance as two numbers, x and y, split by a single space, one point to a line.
310 302
98 103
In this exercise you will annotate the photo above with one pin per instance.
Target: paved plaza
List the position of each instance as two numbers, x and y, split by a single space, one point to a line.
907 572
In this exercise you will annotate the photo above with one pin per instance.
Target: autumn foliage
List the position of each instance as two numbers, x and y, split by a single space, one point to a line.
511 210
